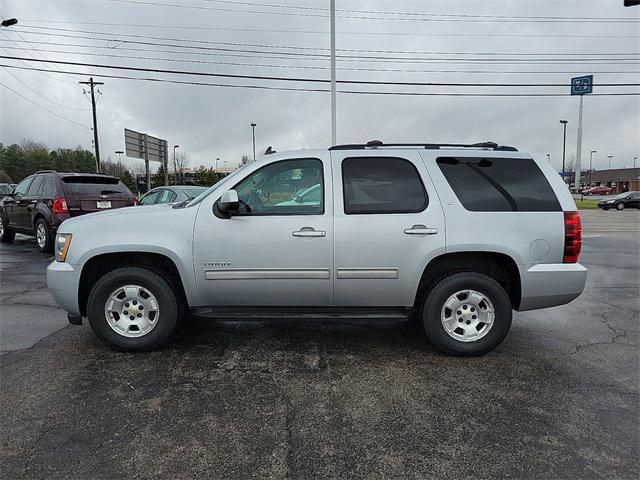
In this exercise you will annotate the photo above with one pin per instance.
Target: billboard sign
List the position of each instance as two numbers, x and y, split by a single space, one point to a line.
146 147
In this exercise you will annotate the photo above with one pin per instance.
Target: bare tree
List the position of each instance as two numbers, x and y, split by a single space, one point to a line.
570 164
244 160
180 165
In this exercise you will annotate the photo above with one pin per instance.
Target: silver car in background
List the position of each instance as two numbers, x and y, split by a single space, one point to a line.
171 194
454 237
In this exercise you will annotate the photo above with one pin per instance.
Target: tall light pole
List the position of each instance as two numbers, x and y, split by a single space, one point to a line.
590 164
564 144
175 165
548 157
333 72
217 159
609 157
634 161
119 152
253 128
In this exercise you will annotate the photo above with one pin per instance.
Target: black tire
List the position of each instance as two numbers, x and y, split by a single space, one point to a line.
7 234
47 246
445 288
165 295
605 208
620 206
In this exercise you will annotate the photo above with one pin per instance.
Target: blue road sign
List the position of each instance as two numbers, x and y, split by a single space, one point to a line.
582 85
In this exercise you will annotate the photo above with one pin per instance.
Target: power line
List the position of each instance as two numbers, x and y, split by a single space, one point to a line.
298 47
306 80
43 108
298 89
375 15
325 32
312 67
367 58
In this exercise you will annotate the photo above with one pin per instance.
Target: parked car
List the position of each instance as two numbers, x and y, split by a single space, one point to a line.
622 201
455 237
171 194
602 190
41 202
5 189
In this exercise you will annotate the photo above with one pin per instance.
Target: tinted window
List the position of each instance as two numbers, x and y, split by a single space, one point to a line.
167 196
193 192
277 188
23 186
382 185
35 186
499 184
93 186
47 189
5 188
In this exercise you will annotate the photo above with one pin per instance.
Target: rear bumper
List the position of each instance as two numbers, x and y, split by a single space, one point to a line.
551 284
63 282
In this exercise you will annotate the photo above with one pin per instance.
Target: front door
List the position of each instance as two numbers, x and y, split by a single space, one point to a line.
16 204
278 250
388 225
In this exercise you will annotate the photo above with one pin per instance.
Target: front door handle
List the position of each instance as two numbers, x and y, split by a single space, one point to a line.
309 232
420 230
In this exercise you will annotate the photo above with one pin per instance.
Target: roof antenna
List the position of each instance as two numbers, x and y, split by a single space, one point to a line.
269 150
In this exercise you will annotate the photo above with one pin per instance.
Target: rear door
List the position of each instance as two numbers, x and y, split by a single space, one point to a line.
388 225
94 193
30 201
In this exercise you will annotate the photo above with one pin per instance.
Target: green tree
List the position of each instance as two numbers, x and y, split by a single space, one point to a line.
205 176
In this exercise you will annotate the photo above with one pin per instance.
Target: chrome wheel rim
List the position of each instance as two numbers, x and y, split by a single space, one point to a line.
41 235
467 315
132 311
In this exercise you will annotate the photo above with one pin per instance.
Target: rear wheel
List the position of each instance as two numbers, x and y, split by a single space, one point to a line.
133 309
6 234
44 236
467 314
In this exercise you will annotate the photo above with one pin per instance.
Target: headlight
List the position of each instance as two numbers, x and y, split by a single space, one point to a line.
63 240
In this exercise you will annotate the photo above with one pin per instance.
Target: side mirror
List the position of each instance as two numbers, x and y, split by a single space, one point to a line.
229 203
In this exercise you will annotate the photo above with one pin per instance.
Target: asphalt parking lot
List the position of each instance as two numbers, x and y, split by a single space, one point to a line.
558 399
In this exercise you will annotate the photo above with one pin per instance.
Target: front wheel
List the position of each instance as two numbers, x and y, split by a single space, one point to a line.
6 234
620 206
467 314
133 309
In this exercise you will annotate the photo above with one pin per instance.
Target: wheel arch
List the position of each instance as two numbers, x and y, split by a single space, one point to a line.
98 265
499 266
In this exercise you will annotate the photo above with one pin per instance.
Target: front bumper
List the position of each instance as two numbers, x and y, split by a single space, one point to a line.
551 284
63 282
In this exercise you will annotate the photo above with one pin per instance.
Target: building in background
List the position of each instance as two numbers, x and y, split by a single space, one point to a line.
620 179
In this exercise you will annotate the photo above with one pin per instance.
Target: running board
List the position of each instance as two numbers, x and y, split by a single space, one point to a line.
307 313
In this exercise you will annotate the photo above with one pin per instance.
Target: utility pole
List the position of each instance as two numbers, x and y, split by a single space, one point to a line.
333 72
253 128
92 84
564 144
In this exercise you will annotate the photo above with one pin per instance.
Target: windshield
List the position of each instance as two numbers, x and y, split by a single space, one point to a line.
204 194
622 195
5 189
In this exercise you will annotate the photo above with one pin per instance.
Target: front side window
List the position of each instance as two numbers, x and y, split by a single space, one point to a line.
499 184
22 187
167 196
382 185
289 187
35 186
150 198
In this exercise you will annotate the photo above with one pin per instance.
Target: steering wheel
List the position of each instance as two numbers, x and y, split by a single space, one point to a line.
254 199
245 205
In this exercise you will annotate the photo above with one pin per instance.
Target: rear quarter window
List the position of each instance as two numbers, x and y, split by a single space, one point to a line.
499 184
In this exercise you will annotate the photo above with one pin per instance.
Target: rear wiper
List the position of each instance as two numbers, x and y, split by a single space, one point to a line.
105 192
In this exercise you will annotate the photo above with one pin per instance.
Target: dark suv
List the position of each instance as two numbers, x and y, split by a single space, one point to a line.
42 201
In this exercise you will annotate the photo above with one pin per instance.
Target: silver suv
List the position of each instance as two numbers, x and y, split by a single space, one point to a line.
455 236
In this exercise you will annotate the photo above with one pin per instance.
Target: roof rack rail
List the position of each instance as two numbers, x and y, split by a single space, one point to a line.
426 146
46 171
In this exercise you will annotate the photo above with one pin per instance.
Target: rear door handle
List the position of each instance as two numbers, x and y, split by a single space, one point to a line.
421 230
309 232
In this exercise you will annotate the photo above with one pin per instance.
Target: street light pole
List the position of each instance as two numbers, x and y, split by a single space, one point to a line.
564 144
119 152
253 128
333 71
634 161
175 165
609 157
548 157
590 164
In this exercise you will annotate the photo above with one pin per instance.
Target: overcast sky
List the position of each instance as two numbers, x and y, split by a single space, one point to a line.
209 122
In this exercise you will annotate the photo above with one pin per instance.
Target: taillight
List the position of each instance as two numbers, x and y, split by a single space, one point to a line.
135 201
59 205
572 237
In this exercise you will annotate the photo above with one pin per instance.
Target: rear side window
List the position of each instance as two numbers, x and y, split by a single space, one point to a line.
93 186
47 189
499 184
382 185
35 185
